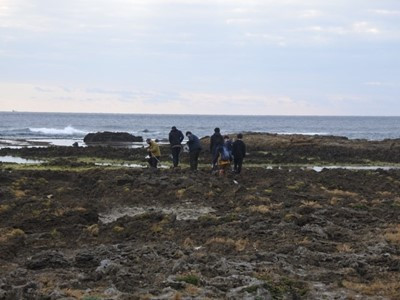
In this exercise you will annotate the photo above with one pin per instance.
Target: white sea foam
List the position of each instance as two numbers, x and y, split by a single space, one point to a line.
69 130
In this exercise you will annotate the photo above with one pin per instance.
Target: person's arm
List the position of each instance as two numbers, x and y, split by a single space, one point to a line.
170 137
151 148
211 143
181 137
244 150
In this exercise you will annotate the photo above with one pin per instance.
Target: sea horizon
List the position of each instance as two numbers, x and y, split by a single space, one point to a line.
72 127
187 114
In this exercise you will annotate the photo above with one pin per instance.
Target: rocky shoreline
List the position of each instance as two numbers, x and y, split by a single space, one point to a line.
70 229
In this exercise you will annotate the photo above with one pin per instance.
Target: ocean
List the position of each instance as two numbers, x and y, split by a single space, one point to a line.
66 128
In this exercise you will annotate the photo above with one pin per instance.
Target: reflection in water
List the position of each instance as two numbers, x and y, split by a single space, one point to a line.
368 168
321 168
19 160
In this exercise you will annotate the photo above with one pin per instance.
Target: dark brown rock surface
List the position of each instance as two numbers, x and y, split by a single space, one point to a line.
111 137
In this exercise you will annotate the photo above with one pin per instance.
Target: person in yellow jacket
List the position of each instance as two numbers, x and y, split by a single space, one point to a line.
154 152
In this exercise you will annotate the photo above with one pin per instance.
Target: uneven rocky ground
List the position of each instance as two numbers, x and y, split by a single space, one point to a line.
73 230
263 149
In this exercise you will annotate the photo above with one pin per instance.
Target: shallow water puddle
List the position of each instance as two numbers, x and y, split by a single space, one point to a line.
366 168
320 168
19 160
120 165
135 166
182 213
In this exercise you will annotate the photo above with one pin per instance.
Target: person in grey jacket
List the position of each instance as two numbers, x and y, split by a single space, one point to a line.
194 150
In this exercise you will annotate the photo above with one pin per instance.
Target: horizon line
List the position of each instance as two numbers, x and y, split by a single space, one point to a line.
189 114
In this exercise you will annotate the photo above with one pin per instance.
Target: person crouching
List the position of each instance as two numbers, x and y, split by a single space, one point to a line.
154 152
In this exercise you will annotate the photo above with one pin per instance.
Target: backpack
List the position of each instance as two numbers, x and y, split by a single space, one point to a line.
225 154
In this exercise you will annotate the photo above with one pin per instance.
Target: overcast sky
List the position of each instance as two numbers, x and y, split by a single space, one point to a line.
286 57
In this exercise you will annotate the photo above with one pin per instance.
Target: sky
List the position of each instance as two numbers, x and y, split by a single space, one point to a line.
242 57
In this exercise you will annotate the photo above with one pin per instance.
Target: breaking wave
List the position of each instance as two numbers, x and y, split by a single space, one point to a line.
69 130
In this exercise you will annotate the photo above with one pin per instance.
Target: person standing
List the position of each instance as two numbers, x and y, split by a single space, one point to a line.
194 150
154 152
175 140
228 144
224 157
239 153
216 141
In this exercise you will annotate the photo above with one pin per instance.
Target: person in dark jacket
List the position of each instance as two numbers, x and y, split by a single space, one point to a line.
216 141
175 140
239 153
194 150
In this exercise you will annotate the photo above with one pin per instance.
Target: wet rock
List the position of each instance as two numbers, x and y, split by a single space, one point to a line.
362 269
56 295
86 259
47 259
180 265
112 291
107 267
166 294
379 248
111 137
317 230
3 294
241 282
394 265
174 283
336 232
303 220
124 179
26 291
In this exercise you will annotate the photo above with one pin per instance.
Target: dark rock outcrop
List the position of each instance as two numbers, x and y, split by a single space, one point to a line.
111 137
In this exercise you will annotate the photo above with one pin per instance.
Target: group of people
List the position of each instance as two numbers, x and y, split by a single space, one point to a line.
222 149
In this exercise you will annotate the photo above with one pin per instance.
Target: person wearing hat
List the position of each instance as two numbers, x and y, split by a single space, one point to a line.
154 152
175 140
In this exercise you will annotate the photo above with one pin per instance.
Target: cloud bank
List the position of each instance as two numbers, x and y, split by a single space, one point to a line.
253 57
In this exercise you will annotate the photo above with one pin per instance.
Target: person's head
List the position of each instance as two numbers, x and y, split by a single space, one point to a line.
188 133
216 130
173 128
226 138
239 136
148 141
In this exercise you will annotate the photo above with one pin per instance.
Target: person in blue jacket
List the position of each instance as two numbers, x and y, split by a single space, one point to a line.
194 150
229 146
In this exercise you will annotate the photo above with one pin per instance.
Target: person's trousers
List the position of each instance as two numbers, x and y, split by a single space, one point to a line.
153 161
215 155
237 164
175 155
194 159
